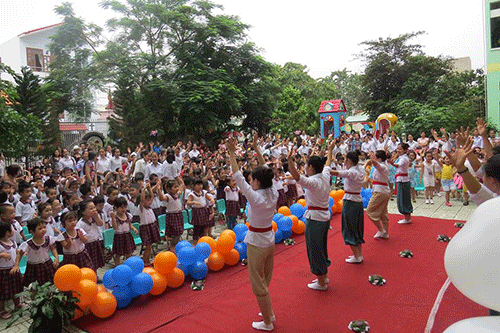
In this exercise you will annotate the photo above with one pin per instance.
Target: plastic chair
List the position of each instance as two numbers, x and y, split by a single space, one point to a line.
137 237
420 184
27 233
22 264
161 225
221 209
185 219
108 235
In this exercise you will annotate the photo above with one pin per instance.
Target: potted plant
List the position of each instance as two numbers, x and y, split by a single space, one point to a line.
49 308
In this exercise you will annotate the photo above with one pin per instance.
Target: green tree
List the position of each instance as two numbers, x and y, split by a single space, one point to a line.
349 87
73 73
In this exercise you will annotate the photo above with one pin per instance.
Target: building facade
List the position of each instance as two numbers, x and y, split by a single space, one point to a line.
492 42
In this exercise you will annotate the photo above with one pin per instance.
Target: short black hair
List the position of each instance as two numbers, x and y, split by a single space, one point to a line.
318 163
98 200
492 167
120 202
353 156
264 176
4 228
33 224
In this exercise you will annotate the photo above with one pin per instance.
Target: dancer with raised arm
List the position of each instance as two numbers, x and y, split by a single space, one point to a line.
262 198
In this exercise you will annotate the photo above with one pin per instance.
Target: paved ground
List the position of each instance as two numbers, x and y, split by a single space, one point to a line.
438 210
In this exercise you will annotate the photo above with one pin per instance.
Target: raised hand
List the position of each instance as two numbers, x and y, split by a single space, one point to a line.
231 145
458 157
481 127
255 141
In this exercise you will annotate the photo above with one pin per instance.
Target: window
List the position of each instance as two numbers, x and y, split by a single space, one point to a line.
495 5
495 32
35 59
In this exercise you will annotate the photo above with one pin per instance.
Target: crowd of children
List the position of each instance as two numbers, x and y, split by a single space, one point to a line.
69 201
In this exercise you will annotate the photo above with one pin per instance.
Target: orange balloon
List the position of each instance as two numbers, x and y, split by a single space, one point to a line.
332 193
67 277
284 210
88 292
295 220
165 262
338 195
149 270
247 224
88 274
275 226
210 241
302 202
230 233
104 305
159 284
101 289
232 257
215 261
299 228
224 244
175 278
340 205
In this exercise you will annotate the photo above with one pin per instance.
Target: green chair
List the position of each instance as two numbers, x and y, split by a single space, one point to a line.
221 209
108 235
190 215
420 184
27 233
185 219
22 264
137 237
161 224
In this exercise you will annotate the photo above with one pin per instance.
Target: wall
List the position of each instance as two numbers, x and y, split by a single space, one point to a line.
493 66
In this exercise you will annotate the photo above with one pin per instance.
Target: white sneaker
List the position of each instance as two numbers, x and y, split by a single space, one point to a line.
427 201
403 221
261 326
273 318
379 234
354 260
327 280
316 286
386 235
438 194
432 202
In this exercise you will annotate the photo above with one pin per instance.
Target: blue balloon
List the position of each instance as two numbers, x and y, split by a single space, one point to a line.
202 250
187 255
286 234
184 268
240 230
303 219
278 236
285 223
365 202
122 274
141 283
331 202
182 244
277 217
330 210
136 264
123 296
297 210
242 250
199 270
108 281
133 294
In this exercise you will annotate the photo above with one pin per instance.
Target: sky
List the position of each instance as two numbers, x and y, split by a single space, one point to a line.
322 34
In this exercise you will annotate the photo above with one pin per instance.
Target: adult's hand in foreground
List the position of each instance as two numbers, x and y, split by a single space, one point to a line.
458 157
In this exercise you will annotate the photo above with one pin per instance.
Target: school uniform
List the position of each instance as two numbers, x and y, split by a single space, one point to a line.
123 242
381 193
200 213
93 245
50 224
40 266
278 184
148 229
174 223
156 169
76 254
352 208
403 186
292 188
232 201
317 188
429 173
25 210
11 284
133 209
17 231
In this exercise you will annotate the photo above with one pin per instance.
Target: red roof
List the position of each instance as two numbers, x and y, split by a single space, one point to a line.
337 105
40 29
72 127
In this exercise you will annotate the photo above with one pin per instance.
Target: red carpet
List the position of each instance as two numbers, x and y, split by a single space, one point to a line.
228 305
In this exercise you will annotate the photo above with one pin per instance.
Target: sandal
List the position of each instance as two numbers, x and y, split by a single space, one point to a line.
5 315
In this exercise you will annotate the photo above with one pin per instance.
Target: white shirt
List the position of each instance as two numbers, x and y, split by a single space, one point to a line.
12 250
151 168
67 163
147 216
194 153
140 166
77 245
381 174
403 165
433 145
261 208
123 226
478 142
303 150
317 189
37 253
171 170
92 229
412 144
231 195
201 199
482 195
50 224
173 205
116 162
102 165
26 210
353 182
